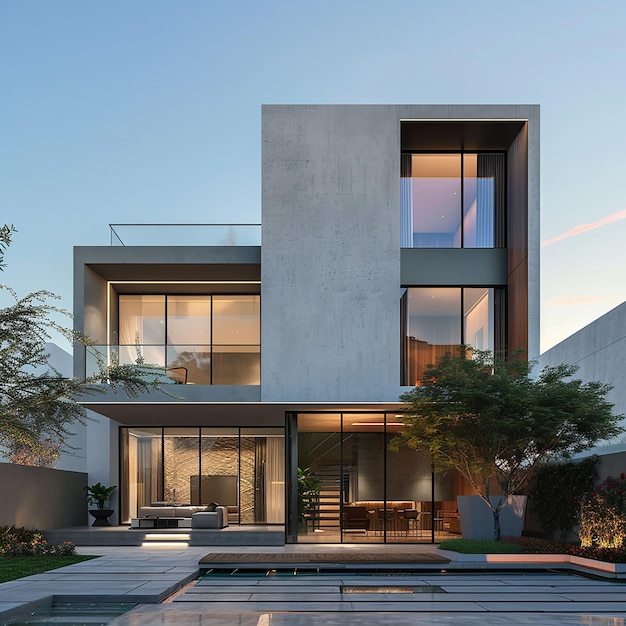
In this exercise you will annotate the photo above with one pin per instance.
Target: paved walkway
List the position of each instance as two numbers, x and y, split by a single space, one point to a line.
149 575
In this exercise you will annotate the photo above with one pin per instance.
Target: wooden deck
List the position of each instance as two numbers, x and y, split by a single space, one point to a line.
316 559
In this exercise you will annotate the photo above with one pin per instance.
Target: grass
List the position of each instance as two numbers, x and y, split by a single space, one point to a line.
481 546
12 567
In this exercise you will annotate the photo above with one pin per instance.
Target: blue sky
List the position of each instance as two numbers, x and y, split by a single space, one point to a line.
149 111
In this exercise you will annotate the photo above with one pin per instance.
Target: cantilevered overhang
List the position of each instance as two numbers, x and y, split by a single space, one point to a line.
244 414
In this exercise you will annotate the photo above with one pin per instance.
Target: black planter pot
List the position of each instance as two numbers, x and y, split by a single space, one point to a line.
101 516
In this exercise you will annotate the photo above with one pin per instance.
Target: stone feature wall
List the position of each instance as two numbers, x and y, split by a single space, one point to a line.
220 456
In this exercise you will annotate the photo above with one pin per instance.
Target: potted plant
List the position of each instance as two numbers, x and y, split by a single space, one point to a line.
308 495
99 495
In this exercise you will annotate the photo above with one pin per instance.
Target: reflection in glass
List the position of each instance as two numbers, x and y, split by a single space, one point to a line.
236 365
141 320
236 320
262 475
188 320
439 320
189 364
319 451
478 312
366 515
242 469
434 327
200 340
141 329
452 200
436 200
141 470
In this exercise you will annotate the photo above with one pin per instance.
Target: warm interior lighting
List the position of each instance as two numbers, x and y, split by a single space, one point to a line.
376 424
166 537
184 282
164 544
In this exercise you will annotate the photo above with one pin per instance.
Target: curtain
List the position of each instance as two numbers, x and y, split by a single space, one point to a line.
406 202
260 452
490 197
130 327
275 480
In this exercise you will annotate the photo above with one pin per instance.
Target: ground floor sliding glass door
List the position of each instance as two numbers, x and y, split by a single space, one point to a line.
355 487
241 468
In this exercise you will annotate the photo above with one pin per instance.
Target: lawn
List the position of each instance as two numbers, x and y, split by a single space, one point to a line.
20 566
480 546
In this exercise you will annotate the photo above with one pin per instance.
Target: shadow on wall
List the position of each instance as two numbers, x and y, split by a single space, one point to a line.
42 498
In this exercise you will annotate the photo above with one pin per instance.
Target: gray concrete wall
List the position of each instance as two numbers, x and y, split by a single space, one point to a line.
103 456
330 256
330 260
612 465
40 498
598 350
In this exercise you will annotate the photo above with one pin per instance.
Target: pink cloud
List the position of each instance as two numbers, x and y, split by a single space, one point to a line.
583 228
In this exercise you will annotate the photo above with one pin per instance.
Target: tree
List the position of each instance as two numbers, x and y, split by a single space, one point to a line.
492 419
38 404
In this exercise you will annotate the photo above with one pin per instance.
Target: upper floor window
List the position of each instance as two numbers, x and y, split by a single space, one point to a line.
452 200
437 320
198 339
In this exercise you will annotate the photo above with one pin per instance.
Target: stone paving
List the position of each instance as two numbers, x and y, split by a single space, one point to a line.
149 575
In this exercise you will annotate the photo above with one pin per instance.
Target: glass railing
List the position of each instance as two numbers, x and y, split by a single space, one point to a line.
185 234
189 364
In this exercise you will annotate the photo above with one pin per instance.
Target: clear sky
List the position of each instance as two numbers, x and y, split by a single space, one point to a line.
149 111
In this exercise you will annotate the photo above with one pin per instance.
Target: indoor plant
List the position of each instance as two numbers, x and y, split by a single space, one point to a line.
98 494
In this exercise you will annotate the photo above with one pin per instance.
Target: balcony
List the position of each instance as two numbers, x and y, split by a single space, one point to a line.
185 234
184 364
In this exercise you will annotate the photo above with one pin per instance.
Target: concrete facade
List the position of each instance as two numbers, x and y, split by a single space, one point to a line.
330 259
598 351
331 265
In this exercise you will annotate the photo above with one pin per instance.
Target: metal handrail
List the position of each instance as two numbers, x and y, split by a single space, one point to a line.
116 236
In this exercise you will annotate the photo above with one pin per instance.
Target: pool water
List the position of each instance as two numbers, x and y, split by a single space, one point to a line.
72 614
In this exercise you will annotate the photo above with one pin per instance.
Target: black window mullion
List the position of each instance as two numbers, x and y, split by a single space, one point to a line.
341 485
199 466
165 342
462 208
384 477
462 316
239 476
162 490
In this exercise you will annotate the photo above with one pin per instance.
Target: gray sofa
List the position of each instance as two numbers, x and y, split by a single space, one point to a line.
170 511
210 519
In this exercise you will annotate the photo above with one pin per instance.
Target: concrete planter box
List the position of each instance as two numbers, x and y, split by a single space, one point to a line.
565 561
617 569
477 518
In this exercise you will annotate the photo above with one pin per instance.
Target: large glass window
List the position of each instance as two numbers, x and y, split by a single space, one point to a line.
240 468
197 339
357 489
438 320
452 200
142 329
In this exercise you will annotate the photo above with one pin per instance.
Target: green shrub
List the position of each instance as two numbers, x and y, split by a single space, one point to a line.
557 491
536 545
480 546
603 515
17 542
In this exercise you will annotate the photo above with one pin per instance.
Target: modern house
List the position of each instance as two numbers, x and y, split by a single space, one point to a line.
390 235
